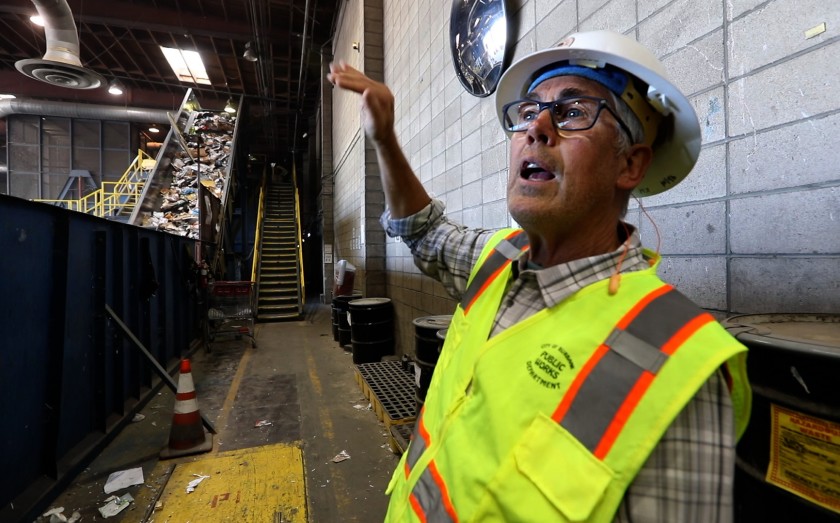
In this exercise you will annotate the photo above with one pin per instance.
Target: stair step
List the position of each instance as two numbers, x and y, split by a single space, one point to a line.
279 273
274 309
288 270
265 318
278 299
272 281
279 282
280 240
284 295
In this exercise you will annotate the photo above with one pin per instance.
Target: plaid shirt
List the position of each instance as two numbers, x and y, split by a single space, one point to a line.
689 475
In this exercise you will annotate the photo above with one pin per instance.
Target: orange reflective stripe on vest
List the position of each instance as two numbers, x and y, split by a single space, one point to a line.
505 252
611 383
429 499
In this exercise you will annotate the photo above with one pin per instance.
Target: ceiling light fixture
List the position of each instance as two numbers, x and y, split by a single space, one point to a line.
7 97
229 108
37 20
250 54
154 129
115 87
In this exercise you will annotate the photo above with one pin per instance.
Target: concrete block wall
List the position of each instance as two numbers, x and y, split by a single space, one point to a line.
755 228
358 200
325 198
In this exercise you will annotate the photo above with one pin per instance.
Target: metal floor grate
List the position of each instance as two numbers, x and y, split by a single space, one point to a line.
390 389
400 436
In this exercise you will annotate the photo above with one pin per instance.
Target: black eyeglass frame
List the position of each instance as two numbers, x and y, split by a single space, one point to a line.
602 104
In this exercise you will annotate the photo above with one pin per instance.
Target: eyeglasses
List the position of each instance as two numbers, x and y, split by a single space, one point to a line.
576 113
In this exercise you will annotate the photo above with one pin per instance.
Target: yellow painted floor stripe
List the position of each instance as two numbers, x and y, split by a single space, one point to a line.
227 406
341 499
260 484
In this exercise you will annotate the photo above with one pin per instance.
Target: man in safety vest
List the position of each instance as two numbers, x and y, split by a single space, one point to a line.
573 385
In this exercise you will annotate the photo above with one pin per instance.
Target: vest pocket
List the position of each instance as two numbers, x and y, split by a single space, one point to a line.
562 469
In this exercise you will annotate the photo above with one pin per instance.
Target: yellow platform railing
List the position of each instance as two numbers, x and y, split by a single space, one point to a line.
113 198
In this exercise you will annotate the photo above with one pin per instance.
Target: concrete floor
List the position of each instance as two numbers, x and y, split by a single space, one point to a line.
298 379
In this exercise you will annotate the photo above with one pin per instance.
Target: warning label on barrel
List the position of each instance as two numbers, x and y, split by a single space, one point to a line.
805 456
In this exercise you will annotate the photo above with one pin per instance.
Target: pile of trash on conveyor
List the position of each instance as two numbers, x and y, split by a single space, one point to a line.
179 212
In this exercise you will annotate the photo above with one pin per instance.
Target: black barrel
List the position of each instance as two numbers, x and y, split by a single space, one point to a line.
334 313
427 344
371 329
441 336
787 459
341 327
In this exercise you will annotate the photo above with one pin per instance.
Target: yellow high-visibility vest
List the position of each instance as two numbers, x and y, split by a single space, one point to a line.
551 419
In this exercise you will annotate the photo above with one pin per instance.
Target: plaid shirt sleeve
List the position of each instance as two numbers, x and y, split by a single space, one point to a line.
689 475
443 250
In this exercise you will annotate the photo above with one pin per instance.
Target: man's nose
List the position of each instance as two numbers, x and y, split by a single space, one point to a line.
542 127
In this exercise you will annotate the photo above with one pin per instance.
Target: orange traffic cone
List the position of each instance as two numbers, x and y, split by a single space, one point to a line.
187 435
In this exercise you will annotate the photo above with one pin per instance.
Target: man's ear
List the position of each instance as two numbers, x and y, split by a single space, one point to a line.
636 162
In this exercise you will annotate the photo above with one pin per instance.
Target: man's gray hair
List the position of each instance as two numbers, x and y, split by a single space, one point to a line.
631 120
623 141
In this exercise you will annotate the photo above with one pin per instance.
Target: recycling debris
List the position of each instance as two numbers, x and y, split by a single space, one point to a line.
191 486
115 505
341 456
209 147
262 423
124 479
56 515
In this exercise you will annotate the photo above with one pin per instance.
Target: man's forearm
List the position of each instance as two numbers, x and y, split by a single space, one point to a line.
404 194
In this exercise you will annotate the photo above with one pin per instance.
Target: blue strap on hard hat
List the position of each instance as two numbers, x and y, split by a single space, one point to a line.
612 79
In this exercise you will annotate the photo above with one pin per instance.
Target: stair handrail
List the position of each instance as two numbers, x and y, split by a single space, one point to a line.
299 243
102 201
125 192
258 233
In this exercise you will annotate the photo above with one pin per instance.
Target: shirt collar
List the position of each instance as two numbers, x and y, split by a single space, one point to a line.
558 282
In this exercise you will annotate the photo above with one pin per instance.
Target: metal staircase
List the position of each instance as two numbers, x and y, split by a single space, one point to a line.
279 296
113 200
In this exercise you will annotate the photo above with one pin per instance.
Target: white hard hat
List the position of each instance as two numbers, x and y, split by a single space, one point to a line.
677 144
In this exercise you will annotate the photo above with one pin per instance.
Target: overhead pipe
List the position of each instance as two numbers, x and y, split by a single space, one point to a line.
301 75
60 65
86 111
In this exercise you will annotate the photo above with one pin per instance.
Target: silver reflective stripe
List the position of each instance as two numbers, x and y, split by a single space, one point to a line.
599 398
663 317
430 498
610 382
415 449
507 250
638 351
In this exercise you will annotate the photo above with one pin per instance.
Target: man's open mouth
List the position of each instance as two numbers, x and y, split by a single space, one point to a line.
535 172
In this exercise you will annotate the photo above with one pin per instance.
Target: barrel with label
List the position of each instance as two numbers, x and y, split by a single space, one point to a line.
371 329
427 347
341 327
788 461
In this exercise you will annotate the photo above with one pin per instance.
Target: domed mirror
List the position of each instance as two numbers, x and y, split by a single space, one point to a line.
478 39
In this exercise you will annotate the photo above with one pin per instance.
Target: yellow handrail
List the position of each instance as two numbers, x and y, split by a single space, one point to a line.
257 233
299 243
113 197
